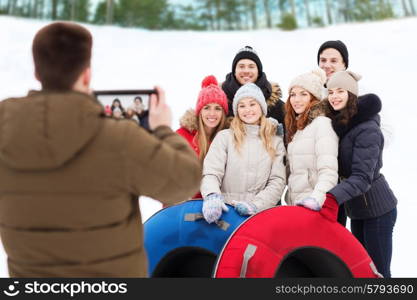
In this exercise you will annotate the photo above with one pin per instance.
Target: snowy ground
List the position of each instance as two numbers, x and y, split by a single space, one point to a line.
384 53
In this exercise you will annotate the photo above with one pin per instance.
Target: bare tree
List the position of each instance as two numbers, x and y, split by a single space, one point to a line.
239 14
307 7
109 12
217 13
254 13
413 10
247 13
11 7
267 10
42 8
293 8
33 12
54 9
27 8
282 8
38 7
346 11
329 12
210 12
73 9
405 9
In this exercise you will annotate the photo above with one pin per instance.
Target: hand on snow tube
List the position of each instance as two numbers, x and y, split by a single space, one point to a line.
245 208
309 202
330 208
213 206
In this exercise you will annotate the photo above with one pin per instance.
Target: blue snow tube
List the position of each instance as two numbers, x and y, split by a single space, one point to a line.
180 243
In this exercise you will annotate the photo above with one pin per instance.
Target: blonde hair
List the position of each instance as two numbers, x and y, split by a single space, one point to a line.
202 139
267 131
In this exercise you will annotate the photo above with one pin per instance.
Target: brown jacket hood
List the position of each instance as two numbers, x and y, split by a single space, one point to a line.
55 126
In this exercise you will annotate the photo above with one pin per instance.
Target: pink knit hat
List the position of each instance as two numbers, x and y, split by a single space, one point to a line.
211 93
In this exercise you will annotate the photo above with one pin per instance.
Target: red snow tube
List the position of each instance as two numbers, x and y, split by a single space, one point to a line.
292 241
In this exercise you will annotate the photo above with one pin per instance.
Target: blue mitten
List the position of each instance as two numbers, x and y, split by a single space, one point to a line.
309 202
213 206
280 130
245 208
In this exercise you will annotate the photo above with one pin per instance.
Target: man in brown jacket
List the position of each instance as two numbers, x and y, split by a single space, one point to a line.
70 178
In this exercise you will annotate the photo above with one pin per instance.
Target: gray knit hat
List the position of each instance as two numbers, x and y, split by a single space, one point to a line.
250 90
346 80
312 81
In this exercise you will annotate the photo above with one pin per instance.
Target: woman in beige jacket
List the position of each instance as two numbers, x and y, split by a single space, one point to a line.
244 165
312 144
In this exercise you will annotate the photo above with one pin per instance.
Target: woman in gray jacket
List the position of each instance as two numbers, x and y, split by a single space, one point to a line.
244 166
312 144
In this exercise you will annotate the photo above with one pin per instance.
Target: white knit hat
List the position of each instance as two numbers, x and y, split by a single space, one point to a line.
250 90
312 81
346 80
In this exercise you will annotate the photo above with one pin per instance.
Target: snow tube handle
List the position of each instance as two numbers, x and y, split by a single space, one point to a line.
247 255
192 217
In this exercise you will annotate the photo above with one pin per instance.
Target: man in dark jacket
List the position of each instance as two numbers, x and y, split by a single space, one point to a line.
247 67
70 178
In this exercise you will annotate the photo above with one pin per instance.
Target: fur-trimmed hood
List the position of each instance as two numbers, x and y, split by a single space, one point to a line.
189 120
369 106
276 94
319 109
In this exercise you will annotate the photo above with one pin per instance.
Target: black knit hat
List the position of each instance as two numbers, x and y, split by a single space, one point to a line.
249 53
339 46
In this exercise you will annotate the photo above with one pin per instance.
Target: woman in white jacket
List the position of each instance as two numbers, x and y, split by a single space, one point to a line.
244 166
312 144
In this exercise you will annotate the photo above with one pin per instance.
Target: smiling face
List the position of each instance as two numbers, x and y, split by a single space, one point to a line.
211 115
331 61
249 111
246 71
300 99
338 98
117 114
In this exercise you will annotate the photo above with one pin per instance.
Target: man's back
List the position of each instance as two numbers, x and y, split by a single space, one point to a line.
69 181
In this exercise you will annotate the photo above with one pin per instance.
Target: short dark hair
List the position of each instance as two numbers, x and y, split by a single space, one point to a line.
61 51
337 45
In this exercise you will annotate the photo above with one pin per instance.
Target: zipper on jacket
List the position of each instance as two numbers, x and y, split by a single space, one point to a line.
364 198
310 177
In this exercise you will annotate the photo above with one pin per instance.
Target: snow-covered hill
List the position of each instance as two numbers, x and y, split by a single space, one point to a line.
383 52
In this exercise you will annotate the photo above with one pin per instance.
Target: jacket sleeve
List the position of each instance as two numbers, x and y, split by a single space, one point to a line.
214 165
161 165
274 188
326 148
365 155
183 133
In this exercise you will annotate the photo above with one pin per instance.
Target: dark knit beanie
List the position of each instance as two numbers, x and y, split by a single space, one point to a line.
339 46
249 53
